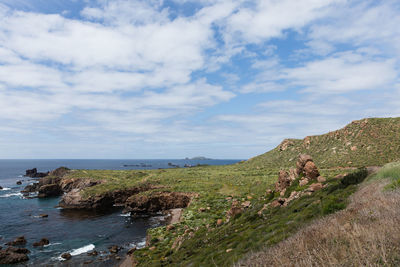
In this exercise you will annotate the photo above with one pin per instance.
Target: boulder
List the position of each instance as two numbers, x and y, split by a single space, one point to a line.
66 256
1 188
315 187
283 181
43 215
19 182
321 179
278 202
49 190
301 162
17 242
41 243
13 255
303 181
311 170
235 209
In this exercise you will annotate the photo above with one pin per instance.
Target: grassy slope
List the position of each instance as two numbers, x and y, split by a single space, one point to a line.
350 237
375 141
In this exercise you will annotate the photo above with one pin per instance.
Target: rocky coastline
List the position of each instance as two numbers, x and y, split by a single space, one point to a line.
142 200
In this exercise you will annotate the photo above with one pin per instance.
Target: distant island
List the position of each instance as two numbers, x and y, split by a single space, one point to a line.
198 158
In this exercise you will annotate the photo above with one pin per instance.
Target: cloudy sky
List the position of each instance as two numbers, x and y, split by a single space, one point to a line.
177 78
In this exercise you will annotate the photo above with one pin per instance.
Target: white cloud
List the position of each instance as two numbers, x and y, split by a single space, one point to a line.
342 73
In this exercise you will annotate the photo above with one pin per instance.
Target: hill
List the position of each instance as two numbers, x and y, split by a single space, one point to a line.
366 142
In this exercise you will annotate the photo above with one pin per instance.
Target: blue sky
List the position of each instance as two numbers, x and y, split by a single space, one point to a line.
181 78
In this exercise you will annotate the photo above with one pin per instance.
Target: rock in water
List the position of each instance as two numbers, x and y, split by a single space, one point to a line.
17 242
1 188
66 256
33 173
49 190
41 243
19 182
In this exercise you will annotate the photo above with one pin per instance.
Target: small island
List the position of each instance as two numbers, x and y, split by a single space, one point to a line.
198 158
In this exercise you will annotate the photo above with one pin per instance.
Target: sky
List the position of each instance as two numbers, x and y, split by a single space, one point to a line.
181 78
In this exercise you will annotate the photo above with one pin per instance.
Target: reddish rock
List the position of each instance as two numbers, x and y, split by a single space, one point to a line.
321 179
235 209
315 187
283 181
220 222
311 170
301 163
303 181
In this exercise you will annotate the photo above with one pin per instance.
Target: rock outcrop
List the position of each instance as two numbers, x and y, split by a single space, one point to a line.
33 173
49 190
157 201
13 255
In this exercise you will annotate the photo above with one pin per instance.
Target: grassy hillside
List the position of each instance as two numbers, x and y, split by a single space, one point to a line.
373 141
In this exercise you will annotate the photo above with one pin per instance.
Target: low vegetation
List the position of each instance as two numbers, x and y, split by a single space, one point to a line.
366 233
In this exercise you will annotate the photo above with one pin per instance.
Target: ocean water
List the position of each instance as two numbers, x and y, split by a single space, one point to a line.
72 231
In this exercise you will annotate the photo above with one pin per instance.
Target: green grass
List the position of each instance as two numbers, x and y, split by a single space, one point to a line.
367 142
390 171
249 231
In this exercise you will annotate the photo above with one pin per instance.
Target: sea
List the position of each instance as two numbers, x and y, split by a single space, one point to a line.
71 231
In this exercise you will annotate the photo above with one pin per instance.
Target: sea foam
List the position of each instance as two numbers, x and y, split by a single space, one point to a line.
11 195
79 251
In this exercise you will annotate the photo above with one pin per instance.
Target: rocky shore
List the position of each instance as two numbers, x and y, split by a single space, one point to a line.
141 200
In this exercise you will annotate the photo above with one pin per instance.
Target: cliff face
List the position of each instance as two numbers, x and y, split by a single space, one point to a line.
367 142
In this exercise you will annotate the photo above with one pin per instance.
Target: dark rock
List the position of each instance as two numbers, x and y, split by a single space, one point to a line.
157 201
31 188
18 241
18 250
33 173
19 182
1 188
93 253
13 255
41 243
49 190
43 215
66 256
131 251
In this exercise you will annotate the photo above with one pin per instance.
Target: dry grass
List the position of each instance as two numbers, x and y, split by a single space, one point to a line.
366 233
